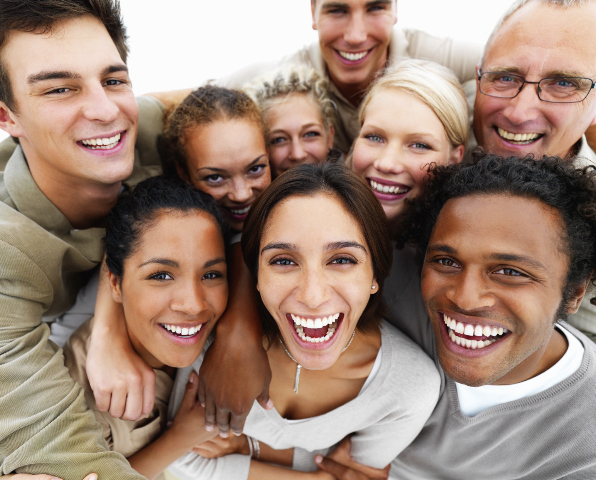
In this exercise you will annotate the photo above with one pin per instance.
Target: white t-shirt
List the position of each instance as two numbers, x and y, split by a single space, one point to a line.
474 400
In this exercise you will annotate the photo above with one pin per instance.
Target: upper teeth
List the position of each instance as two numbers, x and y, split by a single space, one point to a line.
240 212
103 143
386 188
472 330
314 323
184 331
353 56
518 137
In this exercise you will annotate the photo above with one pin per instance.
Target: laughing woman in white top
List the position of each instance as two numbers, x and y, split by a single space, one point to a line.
318 247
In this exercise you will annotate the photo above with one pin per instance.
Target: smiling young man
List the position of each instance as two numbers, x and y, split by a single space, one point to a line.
508 253
534 90
66 96
357 40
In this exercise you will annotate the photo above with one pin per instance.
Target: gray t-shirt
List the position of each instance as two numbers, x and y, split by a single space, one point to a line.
546 436
386 416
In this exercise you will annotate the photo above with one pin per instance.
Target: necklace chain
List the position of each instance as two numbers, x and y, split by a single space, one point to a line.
299 367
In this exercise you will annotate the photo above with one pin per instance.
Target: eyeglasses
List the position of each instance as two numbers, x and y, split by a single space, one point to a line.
551 89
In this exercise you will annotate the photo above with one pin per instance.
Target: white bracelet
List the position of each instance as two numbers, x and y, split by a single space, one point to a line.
257 449
249 445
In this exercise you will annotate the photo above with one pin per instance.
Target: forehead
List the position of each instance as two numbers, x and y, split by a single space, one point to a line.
323 219
226 144
78 45
296 106
543 39
479 226
354 4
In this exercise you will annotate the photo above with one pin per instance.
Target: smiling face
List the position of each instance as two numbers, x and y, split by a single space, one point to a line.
354 37
297 133
538 41
494 271
174 288
227 159
76 115
315 276
400 136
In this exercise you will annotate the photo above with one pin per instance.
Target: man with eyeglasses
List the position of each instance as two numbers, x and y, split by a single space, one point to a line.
535 80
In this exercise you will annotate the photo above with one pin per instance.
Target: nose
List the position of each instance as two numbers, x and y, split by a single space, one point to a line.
241 191
355 32
98 106
389 161
297 152
469 292
313 289
525 106
189 298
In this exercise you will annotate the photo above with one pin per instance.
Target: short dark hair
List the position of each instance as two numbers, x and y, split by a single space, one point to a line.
204 105
40 16
553 181
137 211
356 197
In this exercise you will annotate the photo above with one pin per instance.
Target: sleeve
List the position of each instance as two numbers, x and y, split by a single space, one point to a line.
45 425
304 461
461 57
194 467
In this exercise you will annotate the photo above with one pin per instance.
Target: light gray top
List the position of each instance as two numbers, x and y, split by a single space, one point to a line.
546 436
386 417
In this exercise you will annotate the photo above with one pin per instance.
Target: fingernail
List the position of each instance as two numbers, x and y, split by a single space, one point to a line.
191 379
224 434
269 404
237 433
209 428
318 458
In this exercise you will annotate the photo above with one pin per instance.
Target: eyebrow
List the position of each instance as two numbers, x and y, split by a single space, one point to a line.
68 75
439 247
327 247
174 264
213 262
331 5
224 170
553 73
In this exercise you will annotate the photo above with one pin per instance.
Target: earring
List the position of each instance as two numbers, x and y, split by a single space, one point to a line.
373 287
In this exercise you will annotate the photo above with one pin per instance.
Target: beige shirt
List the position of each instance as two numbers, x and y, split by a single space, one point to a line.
461 57
122 436
45 425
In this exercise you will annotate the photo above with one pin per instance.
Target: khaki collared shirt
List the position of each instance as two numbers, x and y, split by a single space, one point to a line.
45 425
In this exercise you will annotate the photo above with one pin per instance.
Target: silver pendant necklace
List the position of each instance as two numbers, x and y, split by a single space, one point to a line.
299 367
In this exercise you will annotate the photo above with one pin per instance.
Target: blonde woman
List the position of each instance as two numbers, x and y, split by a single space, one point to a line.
298 116
416 114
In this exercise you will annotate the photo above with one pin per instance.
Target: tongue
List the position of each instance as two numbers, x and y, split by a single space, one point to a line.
316 332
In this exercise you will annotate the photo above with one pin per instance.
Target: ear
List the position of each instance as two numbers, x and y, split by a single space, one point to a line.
258 290
331 133
577 297
9 122
182 173
457 154
375 287
312 11
115 287
395 13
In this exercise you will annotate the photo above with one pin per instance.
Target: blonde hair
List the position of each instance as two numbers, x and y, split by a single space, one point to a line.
436 86
274 87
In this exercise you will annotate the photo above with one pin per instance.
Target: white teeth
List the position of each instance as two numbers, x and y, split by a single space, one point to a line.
300 323
241 211
469 329
102 143
486 331
520 138
478 330
387 189
353 56
183 332
461 328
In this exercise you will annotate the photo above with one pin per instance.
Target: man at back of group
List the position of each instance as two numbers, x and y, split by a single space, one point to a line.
65 94
357 40
534 89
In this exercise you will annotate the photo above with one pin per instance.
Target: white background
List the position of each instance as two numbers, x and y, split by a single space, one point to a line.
180 43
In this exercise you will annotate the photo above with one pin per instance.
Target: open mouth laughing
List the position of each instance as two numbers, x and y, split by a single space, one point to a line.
353 57
388 191
473 336
316 330
518 138
102 143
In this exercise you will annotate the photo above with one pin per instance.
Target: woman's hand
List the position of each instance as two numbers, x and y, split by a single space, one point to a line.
220 447
188 428
27 476
341 465
122 383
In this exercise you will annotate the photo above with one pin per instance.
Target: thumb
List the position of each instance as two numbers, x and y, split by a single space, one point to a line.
264 399
190 394
91 476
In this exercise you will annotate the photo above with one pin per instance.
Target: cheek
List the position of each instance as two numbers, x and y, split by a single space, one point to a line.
318 150
277 154
261 183
218 193
362 158
417 169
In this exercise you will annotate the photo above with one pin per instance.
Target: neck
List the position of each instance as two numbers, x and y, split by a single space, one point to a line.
85 204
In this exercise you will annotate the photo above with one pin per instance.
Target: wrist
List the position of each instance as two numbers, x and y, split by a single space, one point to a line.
244 445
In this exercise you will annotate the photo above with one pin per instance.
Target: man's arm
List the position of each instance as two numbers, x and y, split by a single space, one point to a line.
46 427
